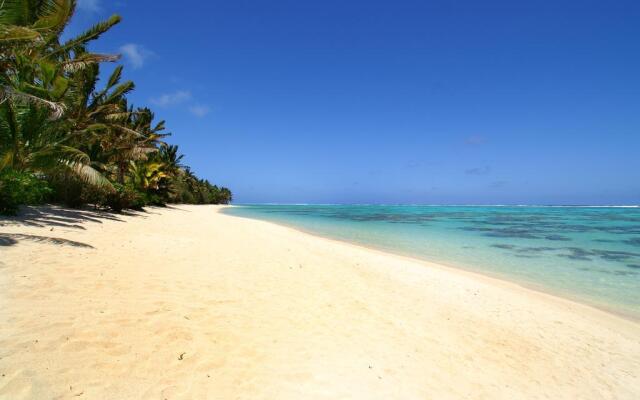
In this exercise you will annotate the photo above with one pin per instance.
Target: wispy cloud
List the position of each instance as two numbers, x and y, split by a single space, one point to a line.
475 140
91 6
199 110
498 184
478 170
183 98
135 54
169 99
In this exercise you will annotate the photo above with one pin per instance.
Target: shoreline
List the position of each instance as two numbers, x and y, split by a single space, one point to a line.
188 302
474 274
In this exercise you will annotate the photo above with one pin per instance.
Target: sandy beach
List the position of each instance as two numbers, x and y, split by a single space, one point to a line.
187 303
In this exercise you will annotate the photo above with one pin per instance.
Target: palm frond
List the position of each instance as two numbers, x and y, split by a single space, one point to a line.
54 15
16 12
120 91
57 109
129 131
117 116
106 109
86 60
9 33
89 175
6 159
115 77
91 34
142 152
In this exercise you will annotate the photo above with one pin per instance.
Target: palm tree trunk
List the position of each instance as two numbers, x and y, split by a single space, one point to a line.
13 127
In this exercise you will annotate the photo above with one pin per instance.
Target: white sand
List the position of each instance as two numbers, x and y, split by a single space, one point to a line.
187 303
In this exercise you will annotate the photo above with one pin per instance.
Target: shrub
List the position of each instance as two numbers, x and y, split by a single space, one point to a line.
154 199
68 190
18 188
123 197
94 195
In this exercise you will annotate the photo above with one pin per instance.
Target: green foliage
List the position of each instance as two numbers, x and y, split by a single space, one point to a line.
89 144
122 197
18 188
67 189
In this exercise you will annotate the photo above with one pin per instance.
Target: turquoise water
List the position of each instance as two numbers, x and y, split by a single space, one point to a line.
590 254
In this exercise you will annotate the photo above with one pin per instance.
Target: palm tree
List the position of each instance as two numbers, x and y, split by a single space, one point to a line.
146 175
32 53
168 154
56 124
226 196
35 86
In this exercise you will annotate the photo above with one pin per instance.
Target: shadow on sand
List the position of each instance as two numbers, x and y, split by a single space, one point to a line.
10 239
56 217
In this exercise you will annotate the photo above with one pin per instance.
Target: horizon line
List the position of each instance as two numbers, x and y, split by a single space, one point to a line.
445 205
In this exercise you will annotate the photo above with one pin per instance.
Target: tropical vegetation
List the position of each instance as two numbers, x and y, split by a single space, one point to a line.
66 138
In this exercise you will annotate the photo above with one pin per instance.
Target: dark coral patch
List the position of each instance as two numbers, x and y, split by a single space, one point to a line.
503 246
633 241
557 238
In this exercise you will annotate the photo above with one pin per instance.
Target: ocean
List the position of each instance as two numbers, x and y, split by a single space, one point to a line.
587 254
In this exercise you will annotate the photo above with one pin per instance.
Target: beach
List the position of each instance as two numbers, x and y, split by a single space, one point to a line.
184 302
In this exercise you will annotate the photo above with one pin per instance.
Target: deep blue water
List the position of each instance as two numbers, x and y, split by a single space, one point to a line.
591 254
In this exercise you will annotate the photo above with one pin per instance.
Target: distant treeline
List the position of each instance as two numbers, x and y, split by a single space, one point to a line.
65 140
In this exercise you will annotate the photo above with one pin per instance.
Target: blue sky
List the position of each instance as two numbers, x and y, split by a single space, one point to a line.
392 101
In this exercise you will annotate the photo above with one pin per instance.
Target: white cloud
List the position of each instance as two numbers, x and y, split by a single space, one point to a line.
199 110
89 5
169 99
135 54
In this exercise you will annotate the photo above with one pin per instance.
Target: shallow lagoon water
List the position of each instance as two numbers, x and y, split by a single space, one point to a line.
589 254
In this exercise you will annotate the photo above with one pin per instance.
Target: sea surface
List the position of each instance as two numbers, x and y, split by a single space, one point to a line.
588 254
